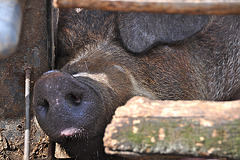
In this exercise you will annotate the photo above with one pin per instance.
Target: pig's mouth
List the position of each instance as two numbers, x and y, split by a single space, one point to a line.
74 135
78 148
82 142
71 131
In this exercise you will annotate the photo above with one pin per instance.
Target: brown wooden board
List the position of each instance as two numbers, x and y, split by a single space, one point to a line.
145 127
161 6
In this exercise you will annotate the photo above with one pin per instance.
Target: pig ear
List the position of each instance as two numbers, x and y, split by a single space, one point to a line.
140 31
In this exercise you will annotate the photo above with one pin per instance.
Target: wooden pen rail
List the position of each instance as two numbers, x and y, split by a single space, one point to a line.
155 129
219 7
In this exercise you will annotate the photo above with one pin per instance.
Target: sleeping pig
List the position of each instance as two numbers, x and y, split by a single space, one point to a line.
105 58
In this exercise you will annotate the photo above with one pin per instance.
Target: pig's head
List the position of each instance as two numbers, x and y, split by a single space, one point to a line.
102 65
74 104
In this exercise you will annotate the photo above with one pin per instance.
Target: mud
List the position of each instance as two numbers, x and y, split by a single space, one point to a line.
12 140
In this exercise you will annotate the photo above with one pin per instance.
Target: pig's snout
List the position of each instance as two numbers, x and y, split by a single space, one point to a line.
54 90
65 106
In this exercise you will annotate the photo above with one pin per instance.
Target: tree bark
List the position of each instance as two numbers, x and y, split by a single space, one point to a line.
182 128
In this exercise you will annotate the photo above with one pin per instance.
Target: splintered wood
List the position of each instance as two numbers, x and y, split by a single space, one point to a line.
161 6
183 128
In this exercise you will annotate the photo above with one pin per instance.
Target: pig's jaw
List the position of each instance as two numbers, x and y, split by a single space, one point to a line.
91 149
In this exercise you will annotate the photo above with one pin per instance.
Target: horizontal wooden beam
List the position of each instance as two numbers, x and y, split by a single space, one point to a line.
162 6
144 127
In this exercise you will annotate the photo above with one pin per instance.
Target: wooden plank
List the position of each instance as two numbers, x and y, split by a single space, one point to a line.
193 128
161 6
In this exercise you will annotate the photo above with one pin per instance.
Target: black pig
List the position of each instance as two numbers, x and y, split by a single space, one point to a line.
105 58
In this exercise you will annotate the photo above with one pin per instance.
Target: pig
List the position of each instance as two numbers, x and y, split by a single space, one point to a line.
105 58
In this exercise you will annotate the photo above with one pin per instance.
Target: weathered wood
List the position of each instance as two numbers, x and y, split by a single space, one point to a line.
161 6
192 128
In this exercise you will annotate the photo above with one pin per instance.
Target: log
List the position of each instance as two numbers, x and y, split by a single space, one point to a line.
219 7
146 128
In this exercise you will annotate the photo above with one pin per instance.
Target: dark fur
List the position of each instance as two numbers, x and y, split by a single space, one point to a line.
204 66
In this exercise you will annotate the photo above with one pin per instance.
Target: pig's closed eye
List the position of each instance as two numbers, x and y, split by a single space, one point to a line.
74 99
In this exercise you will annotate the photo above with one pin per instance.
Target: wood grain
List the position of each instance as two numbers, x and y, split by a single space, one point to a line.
219 7
182 128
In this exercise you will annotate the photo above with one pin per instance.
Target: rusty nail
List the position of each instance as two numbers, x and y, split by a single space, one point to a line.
27 114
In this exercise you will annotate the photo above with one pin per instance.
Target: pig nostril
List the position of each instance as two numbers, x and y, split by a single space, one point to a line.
74 99
45 104
43 108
